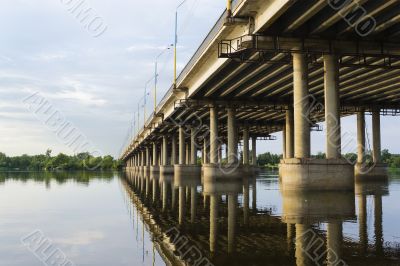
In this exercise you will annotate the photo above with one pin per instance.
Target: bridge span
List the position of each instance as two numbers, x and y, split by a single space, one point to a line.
279 66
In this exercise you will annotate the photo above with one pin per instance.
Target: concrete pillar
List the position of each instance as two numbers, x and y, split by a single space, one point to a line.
165 151
301 106
155 154
193 146
332 107
220 152
284 142
143 158
232 136
254 151
214 201
246 150
232 214
182 145
147 156
205 151
187 159
289 131
173 150
213 135
361 137
334 241
376 136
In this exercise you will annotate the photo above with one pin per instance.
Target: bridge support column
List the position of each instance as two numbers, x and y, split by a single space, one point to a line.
166 167
361 137
332 107
254 151
215 169
147 160
301 107
232 137
187 159
173 150
213 135
376 136
289 133
300 172
205 151
246 150
182 146
185 168
378 170
155 167
193 147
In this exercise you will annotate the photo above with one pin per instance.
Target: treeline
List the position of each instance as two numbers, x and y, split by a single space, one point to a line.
268 159
272 160
81 161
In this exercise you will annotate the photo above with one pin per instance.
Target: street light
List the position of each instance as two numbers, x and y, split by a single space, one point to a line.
156 77
144 100
176 39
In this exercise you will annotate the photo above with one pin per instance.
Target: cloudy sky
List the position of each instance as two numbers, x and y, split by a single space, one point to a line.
96 76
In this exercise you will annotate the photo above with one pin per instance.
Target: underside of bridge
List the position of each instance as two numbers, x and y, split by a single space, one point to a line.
271 66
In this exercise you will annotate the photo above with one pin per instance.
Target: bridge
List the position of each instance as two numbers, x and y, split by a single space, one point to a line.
279 66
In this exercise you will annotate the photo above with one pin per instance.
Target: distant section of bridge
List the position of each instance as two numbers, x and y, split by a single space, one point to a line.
280 65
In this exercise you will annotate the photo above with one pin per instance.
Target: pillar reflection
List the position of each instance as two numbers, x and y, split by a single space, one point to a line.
308 209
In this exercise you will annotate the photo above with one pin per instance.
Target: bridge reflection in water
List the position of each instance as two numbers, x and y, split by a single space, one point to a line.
208 221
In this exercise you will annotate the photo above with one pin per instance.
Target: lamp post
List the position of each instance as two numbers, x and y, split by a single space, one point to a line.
176 41
144 101
156 78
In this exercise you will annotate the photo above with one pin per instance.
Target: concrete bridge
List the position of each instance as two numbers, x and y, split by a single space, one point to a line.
279 66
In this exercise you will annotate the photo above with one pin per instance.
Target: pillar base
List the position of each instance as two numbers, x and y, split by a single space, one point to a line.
166 169
146 170
220 171
376 172
141 170
155 169
187 170
250 170
316 174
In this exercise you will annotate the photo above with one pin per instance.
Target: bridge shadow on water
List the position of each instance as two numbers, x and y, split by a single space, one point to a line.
251 221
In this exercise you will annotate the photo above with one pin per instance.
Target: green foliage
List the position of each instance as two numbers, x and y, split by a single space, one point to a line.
268 159
393 160
82 161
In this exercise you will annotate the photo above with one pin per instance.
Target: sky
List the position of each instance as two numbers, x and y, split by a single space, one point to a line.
94 76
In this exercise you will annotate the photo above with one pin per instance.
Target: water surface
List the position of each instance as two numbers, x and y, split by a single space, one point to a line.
132 219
